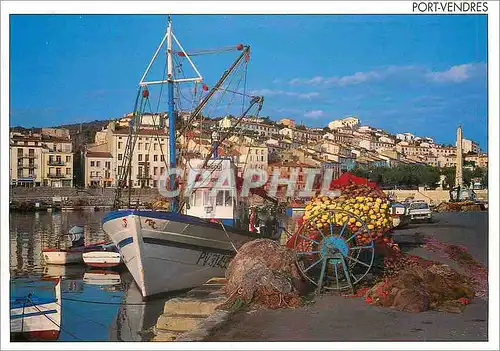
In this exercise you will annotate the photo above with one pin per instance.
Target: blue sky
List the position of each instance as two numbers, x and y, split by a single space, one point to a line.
419 74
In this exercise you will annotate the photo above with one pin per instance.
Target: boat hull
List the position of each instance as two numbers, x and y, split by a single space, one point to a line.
102 259
167 252
62 257
35 320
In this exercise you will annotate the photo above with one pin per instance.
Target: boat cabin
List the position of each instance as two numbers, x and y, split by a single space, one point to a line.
203 202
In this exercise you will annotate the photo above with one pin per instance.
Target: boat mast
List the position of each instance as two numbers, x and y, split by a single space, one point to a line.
171 115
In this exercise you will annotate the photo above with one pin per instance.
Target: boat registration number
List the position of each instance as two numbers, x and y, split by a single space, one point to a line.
212 259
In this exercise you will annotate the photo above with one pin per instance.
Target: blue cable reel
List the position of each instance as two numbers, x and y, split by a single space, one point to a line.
335 254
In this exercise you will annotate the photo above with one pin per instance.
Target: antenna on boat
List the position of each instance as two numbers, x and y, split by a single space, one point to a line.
171 117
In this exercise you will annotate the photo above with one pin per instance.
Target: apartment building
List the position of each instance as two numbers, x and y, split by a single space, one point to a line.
99 167
26 167
374 144
439 150
105 162
252 157
38 159
413 150
58 159
446 161
480 160
249 125
300 135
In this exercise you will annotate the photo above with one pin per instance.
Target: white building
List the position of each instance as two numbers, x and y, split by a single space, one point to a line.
350 122
38 159
149 159
405 137
469 146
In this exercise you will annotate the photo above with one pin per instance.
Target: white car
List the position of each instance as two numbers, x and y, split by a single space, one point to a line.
420 210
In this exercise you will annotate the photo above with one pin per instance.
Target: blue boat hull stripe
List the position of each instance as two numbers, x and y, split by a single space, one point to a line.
163 242
125 242
33 314
20 302
176 217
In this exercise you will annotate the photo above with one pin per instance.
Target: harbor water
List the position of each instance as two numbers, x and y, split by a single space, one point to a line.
96 305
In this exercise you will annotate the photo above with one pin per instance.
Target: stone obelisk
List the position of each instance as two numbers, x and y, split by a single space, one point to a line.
458 172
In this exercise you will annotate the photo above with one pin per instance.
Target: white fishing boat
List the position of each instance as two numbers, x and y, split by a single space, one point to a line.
73 254
36 318
61 256
70 255
183 248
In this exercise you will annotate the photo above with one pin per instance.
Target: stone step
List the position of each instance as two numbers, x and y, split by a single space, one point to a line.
192 306
165 335
177 323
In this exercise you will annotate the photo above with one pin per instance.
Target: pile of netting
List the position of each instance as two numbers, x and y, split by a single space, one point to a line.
413 284
464 206
263 273
159 204
474 270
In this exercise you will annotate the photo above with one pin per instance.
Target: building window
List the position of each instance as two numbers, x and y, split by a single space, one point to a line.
120 170
120 157
155 158
97 174
139 145
162 170
68 158
98 163
146 157
146 146
92 163
155 169
139 171
108 164
68 171
154 146
140 157
162 158
194 198
155 183
120 144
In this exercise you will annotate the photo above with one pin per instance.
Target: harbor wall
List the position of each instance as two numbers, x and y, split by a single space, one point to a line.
434 197
105 196
79 197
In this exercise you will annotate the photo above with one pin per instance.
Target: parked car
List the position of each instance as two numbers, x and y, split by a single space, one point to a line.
420 210
399 214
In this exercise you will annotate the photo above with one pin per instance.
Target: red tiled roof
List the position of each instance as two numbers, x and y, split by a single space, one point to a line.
99 154
151 132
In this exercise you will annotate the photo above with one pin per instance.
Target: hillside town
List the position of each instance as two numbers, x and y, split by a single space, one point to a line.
47 157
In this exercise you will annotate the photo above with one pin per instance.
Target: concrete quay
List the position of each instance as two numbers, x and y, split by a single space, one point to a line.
194 316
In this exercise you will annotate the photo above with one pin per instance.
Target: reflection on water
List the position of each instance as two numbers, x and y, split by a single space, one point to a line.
97 305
